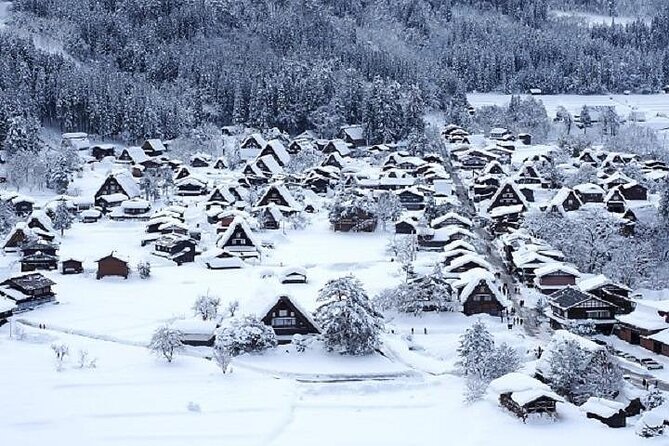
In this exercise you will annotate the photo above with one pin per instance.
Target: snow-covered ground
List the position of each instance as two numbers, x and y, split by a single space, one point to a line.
655 107
132 398
590 19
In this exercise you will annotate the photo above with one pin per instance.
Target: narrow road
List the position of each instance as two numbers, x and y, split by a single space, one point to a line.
529 316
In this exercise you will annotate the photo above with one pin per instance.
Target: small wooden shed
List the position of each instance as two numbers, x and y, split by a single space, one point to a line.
112 265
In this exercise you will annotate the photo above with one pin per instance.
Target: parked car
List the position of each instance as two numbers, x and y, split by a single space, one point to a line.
651 364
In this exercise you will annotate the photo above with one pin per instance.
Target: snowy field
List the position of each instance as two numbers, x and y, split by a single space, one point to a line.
655 107
132 398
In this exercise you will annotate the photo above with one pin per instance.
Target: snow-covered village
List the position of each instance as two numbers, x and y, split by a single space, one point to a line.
352 237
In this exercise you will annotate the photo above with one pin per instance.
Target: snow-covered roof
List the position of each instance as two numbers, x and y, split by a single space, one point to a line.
271 163
602 407
469 258
340 146
355 132
156 144
459 244
279 150
645 317
190 181
523 388
662 337
500 211
238 222
137 154
560 197
589 188
470 279
114 198
129 185
555 267
597 281
283 191
451 215
136 203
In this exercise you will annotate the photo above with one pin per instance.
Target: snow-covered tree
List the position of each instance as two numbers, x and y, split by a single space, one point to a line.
664 203
19 168
562 115
304 160
58 175
603 376
586 119
474 350
22 134
503 360
7 217
206 307
150 184
389 207
350 324
62 219
166 341
426 293
245 335
566 371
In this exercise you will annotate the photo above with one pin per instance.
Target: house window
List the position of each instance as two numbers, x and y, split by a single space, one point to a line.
284 322
598 314
283 313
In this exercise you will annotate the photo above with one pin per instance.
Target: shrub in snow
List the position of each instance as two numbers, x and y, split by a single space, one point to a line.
193 407
299 220
652 399
245 335
350 324
583 328
167 342
84 361
650 425
232 308
144 269
206 307
300 343
222 356
61 351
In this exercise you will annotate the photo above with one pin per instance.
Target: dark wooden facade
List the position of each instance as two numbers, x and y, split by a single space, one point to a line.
112 266
287 320
482 300
543 405
72 266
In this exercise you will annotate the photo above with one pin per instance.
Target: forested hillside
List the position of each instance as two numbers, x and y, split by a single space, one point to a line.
135 68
